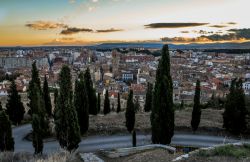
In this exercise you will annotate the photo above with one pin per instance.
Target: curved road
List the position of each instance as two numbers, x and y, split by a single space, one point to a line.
94 143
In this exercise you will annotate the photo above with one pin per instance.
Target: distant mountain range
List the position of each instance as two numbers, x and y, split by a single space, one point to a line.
147 45
245 45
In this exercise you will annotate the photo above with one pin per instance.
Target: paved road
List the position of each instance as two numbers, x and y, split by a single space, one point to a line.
94 143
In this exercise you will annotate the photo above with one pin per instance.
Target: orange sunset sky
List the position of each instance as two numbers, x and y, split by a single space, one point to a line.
80 22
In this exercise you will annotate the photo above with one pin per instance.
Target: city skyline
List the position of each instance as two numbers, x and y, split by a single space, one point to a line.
81 22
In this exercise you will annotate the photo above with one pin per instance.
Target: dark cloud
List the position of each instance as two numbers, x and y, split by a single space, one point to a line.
231 23
173 25
218 26
203 32
69 31
219 32
184 32
109 30
45 25
233 35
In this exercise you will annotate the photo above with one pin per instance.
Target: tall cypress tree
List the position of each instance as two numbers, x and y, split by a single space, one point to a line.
6 139
35 80
162 115
46 96
39 124
130 112
106 108
148 103
234 116
36 101
14 106
37 137
118 104
196 114
91 93
98 103
67 127
81 104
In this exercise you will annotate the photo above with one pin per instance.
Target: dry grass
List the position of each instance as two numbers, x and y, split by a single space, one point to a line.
209 118
61 156
115 123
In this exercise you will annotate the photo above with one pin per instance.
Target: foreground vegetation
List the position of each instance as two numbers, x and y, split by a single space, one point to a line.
227 153
60 156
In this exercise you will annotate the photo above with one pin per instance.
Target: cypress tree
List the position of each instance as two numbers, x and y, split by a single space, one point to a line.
67 127
37 137
106 108
46 96
196 114
39 124
36 101
81 104
91 92
14 106
234 116
35 77
134 138
137 105
162 115
148 103
241 106
118 104
98 103
182 104
6 139
35 80
130 113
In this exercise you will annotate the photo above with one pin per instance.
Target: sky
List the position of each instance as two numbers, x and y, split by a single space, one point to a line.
81 22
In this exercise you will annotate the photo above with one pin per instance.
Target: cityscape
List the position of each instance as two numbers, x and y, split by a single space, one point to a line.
124 80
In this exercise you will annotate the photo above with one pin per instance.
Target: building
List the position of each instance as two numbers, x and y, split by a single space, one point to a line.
127 76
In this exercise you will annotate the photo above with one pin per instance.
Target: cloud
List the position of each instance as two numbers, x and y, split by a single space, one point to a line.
218 26
233 35
109 30
74 30
231 23
203 32
45 25
66 41
72 1
184 32
173 25
91 8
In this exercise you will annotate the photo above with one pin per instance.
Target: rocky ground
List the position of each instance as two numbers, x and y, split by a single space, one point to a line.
155 155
